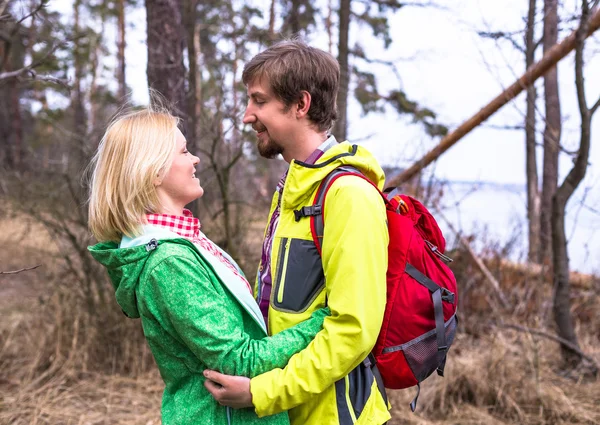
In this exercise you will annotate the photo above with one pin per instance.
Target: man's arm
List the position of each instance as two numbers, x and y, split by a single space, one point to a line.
354 252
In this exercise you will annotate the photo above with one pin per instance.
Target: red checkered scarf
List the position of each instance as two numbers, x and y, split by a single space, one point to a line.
188 227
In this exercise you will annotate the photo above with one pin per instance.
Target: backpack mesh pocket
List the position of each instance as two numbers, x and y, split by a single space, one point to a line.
421 353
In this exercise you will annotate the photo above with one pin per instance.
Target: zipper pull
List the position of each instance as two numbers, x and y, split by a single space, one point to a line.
437 252
151 246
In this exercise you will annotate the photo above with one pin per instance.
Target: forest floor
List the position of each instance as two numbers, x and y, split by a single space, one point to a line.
495 374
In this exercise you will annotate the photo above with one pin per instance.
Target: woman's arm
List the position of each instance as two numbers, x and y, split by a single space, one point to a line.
196 310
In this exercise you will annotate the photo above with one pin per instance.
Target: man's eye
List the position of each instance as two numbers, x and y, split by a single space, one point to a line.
186 151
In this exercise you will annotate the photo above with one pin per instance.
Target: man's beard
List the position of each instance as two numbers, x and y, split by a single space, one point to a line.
268 148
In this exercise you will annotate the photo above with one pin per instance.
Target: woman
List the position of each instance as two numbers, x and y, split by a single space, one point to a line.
195 305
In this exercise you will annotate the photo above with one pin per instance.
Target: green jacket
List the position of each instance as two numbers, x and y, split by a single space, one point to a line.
195 319
328 383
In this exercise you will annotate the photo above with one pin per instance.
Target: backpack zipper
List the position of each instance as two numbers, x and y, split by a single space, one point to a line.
437 252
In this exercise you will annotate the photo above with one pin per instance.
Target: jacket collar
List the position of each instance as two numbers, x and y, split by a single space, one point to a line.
303 179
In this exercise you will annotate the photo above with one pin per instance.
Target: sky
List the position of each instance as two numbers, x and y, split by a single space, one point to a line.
447 67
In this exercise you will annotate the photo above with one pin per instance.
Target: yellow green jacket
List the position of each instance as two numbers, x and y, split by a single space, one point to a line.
328 383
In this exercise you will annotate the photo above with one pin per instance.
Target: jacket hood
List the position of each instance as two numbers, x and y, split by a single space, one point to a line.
125 262
303 179
124 267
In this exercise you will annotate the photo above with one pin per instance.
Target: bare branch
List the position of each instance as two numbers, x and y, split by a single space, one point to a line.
32 74
596 105
29 15
21 270
556 338
538 43
579 84
500 35
398 4
504 127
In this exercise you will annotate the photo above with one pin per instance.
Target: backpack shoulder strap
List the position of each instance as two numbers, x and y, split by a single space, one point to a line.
317 224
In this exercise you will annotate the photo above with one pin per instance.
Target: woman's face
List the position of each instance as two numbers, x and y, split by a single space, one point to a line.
179 186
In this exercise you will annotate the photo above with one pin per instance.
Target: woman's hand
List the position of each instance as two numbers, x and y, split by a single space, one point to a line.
227 390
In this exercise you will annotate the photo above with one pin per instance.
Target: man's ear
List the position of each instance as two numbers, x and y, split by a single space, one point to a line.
303 104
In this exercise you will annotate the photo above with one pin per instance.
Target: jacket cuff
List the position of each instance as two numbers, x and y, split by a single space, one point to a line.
259 388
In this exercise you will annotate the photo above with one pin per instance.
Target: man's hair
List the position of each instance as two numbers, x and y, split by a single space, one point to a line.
292 66
136 149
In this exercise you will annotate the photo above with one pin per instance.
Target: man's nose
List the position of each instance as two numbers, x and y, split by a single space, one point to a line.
249 117
195 160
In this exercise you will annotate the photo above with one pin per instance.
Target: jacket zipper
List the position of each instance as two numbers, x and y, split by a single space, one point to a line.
283 259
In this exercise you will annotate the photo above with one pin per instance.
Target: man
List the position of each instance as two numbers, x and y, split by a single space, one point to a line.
292 91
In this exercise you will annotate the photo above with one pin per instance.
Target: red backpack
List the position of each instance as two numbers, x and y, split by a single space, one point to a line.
420 319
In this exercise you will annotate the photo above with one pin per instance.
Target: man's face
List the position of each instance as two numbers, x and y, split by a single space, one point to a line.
273 122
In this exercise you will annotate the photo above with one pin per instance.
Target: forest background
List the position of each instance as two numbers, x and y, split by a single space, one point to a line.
528 346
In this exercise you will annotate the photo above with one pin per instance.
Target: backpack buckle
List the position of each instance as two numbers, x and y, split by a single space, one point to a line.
447 296
307 211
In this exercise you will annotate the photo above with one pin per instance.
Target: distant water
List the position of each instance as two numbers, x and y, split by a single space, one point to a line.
496 215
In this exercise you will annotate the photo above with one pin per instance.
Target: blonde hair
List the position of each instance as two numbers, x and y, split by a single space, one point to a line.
135 150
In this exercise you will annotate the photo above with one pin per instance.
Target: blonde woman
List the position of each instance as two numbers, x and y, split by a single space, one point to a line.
195 305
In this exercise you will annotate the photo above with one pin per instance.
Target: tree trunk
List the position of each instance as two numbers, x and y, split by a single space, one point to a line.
17 125
6 159
560 259
294 18
95 54
272 21
552 132
77 101
329 25
341 126
192 78
533 195
121 51
165 69
199 92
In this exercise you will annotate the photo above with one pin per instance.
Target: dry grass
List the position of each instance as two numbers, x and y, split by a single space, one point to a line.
504 377
89 399
63 364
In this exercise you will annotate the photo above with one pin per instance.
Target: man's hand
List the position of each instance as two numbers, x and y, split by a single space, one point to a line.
232 391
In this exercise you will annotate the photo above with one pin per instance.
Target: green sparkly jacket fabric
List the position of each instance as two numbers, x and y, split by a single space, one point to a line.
193 320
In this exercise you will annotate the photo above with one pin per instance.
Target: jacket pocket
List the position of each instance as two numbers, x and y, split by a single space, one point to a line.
299 278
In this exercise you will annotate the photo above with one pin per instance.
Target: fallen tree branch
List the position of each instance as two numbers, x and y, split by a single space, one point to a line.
22 270
555 338
548 61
